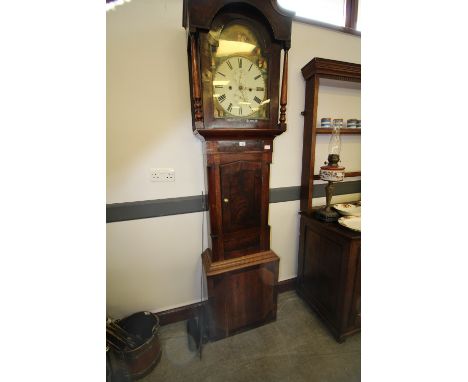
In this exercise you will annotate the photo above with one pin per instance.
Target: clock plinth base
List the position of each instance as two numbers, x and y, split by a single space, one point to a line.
242 292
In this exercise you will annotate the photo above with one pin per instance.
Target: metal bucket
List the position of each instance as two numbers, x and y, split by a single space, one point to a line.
141 360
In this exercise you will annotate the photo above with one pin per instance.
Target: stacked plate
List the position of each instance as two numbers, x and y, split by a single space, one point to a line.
351 222
351 215
348 209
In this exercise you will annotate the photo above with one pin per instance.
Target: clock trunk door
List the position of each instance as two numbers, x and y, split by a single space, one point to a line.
241 189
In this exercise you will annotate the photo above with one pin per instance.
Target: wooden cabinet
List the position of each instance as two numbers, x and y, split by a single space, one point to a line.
329 274
329 259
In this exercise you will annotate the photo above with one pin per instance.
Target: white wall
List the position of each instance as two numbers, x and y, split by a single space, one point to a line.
149 265
148 113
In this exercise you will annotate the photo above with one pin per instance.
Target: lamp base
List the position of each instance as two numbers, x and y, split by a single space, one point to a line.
327 215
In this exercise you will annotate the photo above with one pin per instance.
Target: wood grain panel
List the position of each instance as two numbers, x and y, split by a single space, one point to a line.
242 292
241 185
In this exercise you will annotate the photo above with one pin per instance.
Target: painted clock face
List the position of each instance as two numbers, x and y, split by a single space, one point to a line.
239 87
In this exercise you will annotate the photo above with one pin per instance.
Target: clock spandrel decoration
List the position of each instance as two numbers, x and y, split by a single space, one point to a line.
234 52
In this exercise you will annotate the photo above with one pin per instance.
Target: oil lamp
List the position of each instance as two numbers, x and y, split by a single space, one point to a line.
331 173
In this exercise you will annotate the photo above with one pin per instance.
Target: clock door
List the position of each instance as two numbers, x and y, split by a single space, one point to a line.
241 186
238 59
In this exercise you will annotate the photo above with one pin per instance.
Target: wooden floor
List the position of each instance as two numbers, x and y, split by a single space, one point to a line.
296 347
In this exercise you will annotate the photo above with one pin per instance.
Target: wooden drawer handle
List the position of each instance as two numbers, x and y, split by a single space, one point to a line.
226 200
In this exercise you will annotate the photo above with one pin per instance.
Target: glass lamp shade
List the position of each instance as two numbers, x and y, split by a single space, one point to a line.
332 172
334 147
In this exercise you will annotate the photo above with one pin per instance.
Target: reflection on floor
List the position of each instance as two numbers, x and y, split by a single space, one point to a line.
296 347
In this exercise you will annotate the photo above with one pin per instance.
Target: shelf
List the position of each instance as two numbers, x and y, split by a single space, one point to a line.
342 131
325 72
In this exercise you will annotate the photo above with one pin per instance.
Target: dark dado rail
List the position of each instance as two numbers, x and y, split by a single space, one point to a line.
118 212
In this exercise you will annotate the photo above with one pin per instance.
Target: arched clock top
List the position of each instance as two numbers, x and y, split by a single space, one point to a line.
200 14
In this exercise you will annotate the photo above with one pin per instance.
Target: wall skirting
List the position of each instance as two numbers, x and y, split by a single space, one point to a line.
179 314
184 205
286 285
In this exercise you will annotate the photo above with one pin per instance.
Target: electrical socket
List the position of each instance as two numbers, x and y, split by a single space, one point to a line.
162 175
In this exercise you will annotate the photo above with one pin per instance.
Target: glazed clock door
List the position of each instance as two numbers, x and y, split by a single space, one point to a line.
238 61
239 72
241 190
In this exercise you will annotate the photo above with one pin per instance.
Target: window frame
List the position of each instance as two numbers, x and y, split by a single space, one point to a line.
351 7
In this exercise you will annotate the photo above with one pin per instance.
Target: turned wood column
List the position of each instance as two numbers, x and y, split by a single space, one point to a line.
284 89
197 104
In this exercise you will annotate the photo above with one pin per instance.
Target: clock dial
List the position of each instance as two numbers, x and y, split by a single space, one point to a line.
239 87
238 74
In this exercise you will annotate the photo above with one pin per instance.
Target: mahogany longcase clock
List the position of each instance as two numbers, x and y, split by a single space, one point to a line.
234 50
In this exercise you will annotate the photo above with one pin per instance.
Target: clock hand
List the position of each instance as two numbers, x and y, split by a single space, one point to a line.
236 83
243 95
242 87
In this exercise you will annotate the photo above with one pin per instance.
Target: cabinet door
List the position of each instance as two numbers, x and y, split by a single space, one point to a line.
322 273
241 186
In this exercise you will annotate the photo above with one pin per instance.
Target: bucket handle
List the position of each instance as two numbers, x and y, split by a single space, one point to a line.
156 325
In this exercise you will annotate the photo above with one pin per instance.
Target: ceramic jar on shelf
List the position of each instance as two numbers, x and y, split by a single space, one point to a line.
352 123
325 123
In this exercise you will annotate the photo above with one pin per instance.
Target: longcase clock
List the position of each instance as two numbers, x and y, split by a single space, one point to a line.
234 52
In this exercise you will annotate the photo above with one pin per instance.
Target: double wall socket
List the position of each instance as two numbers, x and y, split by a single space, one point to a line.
162 175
